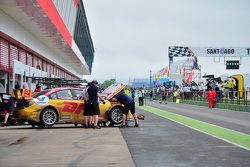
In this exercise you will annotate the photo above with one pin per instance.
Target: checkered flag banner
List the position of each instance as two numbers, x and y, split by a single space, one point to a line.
179 51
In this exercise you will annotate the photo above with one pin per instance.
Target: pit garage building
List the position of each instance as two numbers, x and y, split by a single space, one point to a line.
43 38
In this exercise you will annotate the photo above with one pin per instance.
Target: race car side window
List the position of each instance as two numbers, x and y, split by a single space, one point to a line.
77 94
53 96
64 95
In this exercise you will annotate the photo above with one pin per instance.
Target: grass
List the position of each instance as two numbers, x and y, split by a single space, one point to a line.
228 135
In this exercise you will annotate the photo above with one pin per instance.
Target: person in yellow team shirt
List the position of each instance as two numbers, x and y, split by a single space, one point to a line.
16 93
21 95
175 94
26 93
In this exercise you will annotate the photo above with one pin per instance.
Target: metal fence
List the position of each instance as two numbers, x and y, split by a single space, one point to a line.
223 97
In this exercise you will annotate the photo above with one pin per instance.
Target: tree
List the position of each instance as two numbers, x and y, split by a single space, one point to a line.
107 83
84 81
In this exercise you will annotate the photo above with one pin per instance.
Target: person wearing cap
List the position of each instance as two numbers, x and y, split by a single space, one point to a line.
93 102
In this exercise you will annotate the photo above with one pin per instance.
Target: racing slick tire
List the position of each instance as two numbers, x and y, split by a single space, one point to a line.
48 117
115 115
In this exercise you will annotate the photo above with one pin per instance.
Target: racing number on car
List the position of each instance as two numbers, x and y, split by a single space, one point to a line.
70 107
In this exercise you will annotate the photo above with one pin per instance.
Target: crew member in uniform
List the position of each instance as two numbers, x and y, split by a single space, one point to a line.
129 104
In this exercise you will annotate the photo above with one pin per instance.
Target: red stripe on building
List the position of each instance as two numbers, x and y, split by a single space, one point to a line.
51 11
76 3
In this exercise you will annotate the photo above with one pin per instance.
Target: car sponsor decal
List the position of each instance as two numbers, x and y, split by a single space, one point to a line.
41 100
71 107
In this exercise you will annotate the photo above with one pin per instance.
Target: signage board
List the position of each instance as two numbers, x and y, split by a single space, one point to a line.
185 51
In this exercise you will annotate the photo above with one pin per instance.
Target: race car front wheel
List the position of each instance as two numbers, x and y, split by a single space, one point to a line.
115 115
48 117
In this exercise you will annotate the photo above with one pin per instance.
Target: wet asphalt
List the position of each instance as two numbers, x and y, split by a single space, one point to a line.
159 142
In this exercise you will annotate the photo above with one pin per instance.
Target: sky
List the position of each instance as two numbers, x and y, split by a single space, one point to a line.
131 37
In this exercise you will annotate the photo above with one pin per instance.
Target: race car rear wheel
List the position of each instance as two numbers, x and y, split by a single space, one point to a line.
115 115
48 117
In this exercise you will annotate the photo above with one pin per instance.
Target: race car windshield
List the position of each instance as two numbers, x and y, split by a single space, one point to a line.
41 93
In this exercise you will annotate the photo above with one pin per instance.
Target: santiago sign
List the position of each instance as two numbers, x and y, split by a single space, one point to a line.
180 51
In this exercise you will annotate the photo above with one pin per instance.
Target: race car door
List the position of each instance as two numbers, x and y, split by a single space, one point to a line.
66 105
77 98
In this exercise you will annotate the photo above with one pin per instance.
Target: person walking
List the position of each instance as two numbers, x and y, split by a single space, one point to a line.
140 96
93 102
151 95
164 98
129 104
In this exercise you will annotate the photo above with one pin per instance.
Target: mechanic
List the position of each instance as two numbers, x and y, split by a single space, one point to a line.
93 102
129 104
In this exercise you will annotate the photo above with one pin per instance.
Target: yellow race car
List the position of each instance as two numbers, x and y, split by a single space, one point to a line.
62 105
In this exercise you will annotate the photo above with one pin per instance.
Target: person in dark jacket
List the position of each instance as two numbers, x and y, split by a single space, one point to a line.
129 104
133 93
93 102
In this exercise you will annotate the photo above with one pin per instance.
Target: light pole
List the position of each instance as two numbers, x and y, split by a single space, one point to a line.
150 79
